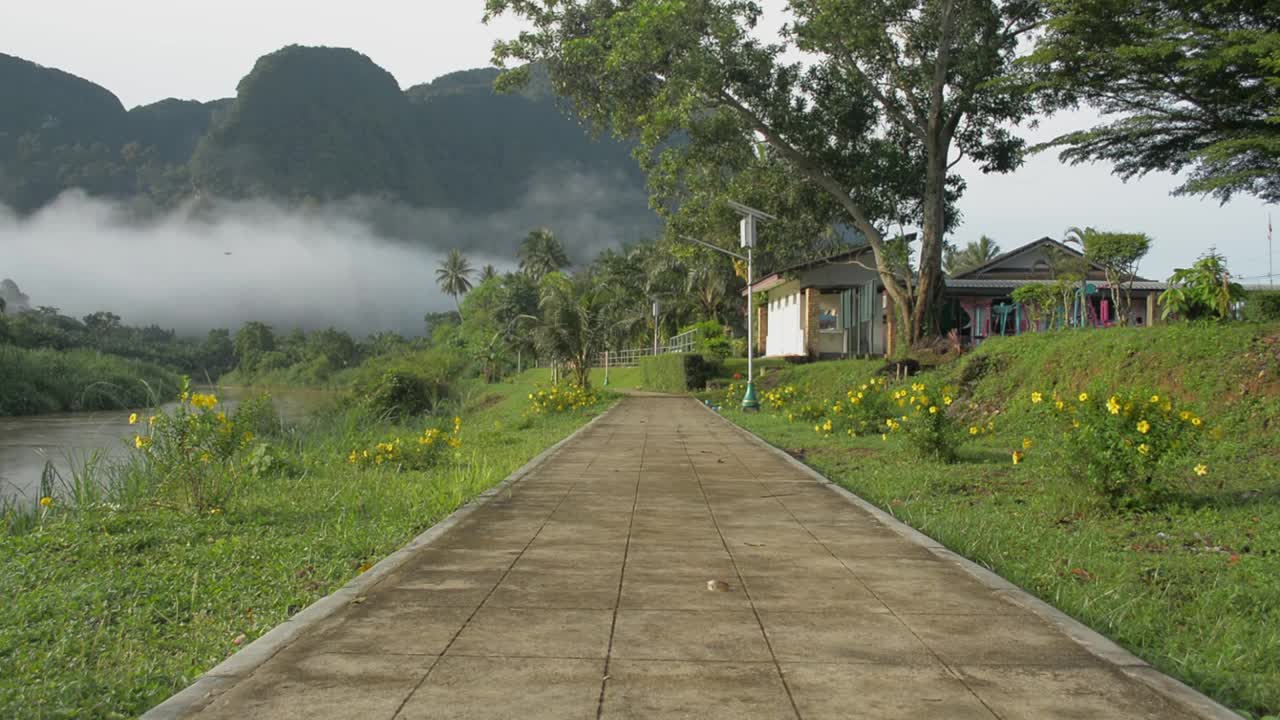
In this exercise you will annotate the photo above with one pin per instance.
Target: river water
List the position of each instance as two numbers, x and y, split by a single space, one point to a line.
28 442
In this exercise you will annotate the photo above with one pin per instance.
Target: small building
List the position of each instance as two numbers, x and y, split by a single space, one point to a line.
836 307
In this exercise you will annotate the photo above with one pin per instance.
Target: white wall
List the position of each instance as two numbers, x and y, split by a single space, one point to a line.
786 321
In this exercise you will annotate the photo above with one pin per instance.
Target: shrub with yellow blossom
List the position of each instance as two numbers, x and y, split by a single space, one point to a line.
417 453
929 423
196 448
561 398
1133 446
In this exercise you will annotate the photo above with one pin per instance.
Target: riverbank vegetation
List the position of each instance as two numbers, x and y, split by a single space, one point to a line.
224 523
46 381
1128 477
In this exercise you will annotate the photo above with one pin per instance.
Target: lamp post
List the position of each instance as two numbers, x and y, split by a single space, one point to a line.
747 238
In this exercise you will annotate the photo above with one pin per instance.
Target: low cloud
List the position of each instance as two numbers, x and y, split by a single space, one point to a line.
359 265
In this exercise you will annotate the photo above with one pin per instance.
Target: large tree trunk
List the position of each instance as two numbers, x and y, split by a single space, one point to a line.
929 286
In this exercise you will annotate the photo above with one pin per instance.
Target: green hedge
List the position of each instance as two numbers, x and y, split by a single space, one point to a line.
676 373
1262 306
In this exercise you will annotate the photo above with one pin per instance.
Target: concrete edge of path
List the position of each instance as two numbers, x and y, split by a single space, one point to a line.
252 656
1091 640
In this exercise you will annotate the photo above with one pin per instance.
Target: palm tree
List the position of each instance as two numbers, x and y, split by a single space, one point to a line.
488 273
579 319
973 255
454 277
542 254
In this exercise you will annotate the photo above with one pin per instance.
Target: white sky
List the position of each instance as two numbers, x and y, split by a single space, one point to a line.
146 50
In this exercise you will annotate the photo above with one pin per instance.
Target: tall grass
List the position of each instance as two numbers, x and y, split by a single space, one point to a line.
45 381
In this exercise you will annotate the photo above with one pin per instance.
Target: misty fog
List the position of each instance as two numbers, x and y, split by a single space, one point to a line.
359 265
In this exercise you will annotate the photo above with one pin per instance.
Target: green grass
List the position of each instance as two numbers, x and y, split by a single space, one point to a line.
1192 586
45 381
109 609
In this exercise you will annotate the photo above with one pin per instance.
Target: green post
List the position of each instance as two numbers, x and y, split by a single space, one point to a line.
749 401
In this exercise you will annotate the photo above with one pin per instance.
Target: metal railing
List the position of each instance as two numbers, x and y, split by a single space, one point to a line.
682 343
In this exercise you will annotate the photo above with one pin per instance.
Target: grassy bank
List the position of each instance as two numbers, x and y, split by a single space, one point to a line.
45 381
111 608
1190 583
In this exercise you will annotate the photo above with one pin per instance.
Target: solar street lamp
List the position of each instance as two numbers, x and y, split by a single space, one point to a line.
747 239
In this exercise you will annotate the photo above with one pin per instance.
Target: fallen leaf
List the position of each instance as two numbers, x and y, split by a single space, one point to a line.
237 640
717 586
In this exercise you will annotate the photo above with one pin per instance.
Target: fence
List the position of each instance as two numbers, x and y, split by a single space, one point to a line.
630 357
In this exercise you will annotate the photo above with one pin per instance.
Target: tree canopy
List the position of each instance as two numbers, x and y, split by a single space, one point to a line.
1191 85
894 93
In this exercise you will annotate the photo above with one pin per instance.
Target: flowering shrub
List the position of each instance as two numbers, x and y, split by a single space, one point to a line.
419 453
929 423
1132 445
561 398
194 449
779 398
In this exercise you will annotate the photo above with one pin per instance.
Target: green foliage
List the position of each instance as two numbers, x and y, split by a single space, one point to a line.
1041 301
888 94
929 421
542 254
1202 291
192 452
710 339
1194 86
973 255
454 275
399 395
561 399
45 381
1119 254
676 372
1133 448
1262 306
578 319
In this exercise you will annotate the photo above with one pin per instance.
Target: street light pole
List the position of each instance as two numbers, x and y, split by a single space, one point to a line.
747 230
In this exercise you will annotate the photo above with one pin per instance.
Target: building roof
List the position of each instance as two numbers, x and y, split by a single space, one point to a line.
1022 249
775 279
1011 283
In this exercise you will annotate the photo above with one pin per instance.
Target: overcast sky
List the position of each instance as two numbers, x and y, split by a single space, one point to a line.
146 50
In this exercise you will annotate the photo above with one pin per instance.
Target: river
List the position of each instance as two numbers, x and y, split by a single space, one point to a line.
28 442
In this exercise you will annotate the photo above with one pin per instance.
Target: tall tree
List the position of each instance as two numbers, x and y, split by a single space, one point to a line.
894 94
1195 86
541 254
488 273
970 256
578 320
454 276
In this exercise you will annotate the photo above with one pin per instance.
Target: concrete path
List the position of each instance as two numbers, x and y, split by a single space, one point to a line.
583 593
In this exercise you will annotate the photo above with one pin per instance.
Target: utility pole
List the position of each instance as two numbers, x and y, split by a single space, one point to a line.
747 238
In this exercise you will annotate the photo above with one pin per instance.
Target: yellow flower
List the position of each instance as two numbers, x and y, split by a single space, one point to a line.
1155 399
1075 424
1060 405
973 430
1202 469
141 442
1197 421
933 409
1037 398
1144 427
885 437
1017 456
1084 397
1027 443
46 501
151 420
947 400
133 418
1185 415
1144 449
1113 405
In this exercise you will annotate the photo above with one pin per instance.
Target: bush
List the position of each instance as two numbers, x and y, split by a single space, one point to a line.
193 449
677 372
711 340
1262 306
420 453
929 422
561 398
399 394
1133 446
